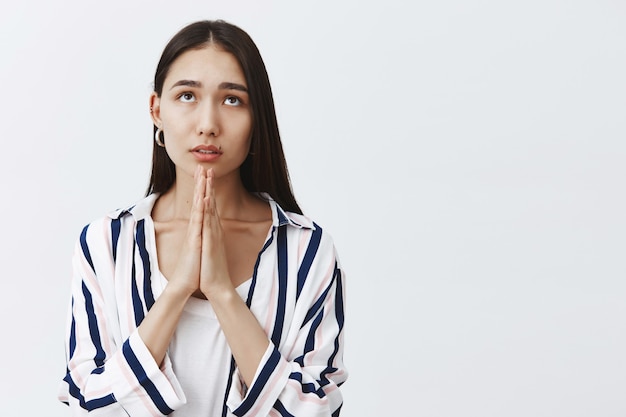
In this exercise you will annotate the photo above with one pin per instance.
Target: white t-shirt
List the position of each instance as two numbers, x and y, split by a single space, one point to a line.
201 356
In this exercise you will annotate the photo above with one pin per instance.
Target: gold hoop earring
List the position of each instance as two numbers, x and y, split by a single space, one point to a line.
157 137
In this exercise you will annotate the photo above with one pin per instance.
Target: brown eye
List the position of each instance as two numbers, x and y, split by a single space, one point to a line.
232 101
187 98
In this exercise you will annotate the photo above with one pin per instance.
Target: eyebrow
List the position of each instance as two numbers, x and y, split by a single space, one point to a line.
187 83
233 86
222 86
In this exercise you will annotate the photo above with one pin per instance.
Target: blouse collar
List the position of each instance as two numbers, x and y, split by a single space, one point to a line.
143 209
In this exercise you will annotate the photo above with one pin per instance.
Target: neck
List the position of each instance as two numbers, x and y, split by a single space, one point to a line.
230 195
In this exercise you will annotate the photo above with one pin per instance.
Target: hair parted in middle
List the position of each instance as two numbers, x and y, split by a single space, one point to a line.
265 168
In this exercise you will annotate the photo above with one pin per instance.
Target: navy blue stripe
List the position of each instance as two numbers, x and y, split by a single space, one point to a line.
248 303
281 242
309 345
256 268
72 332
317 305
137 305
339 298
310 340
91 404
145 260
228 385
93 328
115 236
337 411
282 218
143 379
278 406
339 314
309 256
259 384
323 379
309 387
85 247
299 360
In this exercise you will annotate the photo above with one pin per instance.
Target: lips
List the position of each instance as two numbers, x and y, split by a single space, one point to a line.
206 153
207 149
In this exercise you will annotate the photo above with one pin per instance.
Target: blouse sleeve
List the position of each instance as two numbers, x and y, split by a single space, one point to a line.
105 375
302 377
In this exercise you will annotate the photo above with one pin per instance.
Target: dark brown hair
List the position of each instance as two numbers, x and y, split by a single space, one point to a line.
265 168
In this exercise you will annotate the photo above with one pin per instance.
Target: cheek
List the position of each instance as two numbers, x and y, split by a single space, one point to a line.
239 128
248 132
247 126
170 114
245 136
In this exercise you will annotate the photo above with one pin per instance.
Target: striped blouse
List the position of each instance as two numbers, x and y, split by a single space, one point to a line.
296 293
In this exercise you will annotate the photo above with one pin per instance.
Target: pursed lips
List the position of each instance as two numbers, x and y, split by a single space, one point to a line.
207 149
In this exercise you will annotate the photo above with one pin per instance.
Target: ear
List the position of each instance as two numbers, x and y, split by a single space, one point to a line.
155 109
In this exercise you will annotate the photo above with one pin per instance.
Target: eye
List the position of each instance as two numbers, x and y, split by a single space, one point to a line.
187 97
232 101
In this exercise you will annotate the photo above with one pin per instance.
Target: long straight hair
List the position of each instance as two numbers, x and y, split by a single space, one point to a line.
265 168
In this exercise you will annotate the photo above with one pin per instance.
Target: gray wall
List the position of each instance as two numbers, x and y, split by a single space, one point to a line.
468 158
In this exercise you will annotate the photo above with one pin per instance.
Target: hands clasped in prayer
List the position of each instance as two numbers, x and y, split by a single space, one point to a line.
202 264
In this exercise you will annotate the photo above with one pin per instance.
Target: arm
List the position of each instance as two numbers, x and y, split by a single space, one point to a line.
108 375
158 327
246 338
105 373
301 376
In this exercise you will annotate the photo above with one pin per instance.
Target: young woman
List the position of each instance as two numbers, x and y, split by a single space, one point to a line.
214 295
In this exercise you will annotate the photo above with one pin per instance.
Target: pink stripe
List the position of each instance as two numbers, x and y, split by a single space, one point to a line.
321 289
271 308
319 341
130 315
304 240
327 278
262 399
96 393
137 389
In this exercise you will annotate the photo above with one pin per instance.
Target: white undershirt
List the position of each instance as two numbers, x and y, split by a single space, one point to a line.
201 357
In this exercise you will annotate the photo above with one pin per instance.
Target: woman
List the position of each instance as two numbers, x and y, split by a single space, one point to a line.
214 295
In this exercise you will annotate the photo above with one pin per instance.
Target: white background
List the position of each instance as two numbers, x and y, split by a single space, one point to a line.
469 158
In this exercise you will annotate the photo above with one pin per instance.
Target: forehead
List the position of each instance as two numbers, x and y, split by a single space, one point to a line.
209 65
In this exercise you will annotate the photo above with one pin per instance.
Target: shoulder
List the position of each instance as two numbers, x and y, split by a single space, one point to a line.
137 211
311 250
300 226
314 242
102 230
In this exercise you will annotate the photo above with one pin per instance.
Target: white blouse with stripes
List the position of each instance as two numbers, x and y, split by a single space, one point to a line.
296 294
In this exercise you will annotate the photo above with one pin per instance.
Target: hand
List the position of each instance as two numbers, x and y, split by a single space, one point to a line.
214 276
187 274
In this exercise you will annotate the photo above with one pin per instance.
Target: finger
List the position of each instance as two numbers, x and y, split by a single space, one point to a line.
211 216
199 189
210 194
197 209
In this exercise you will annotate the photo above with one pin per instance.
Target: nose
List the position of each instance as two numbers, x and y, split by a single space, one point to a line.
208 120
